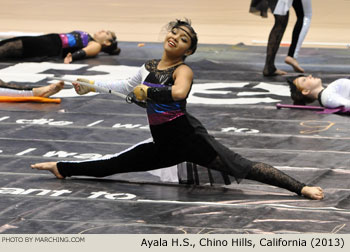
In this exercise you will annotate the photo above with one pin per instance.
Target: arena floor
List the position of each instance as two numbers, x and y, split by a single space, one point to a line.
232 99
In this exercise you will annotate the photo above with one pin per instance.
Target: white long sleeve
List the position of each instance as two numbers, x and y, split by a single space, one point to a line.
124 86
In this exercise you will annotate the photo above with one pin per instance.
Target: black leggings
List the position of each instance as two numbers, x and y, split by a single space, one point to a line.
143 157
274 41
299 11
48 45
150 156
14 86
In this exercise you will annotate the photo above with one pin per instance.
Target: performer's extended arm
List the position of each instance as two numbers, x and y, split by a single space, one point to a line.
123 86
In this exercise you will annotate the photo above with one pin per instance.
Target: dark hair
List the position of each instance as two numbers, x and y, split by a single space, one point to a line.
113 48
296 95
186 23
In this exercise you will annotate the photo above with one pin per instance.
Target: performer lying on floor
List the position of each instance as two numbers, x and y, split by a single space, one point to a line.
177 136
71 46
307 89
13 90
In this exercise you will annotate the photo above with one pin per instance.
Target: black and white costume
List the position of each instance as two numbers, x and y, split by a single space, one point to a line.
177 137
280 10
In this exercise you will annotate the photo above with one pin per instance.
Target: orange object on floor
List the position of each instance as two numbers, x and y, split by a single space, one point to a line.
29 99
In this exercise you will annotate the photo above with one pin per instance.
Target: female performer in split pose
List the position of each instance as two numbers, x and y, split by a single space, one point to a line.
280 10
12 90
177 136
71 46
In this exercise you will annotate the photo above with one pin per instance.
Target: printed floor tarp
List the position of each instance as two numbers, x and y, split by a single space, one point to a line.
235 103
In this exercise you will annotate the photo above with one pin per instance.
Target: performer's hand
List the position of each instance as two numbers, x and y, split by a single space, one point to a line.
81 89
68 59
140 92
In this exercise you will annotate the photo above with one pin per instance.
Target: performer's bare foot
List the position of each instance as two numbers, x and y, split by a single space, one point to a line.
49 166
275 73
48 90
294 63
312 192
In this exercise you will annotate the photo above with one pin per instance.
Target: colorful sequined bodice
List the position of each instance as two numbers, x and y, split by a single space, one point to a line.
159 113
75 39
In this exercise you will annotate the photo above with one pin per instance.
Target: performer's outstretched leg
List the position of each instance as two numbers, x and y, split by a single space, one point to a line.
268 174
13 90
142 157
